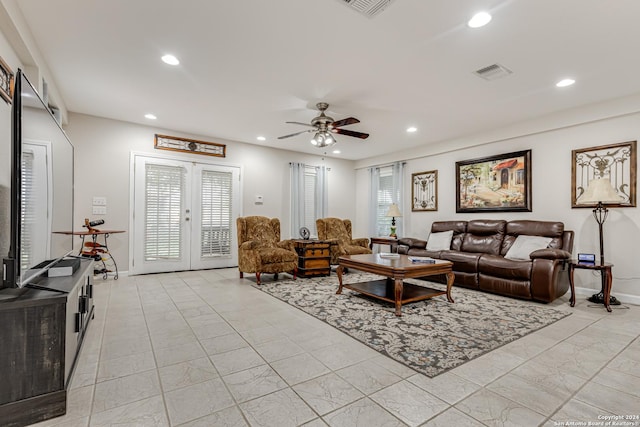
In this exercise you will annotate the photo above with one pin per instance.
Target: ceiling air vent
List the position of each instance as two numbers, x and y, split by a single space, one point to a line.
493 72
369 8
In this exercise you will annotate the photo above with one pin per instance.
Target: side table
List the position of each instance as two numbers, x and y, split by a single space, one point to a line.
313 257
382 240
605 274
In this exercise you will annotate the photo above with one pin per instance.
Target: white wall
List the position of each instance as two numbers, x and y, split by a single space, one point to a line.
103 149
551 196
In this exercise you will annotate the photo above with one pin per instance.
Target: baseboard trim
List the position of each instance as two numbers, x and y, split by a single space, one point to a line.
625 298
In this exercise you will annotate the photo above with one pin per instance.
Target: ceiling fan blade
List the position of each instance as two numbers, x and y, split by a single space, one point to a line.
344 122
294 134
300 123
351 133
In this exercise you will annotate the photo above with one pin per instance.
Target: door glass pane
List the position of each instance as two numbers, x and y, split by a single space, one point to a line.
164 194
216 224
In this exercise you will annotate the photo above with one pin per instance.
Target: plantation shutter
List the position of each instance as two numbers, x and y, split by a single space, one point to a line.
27 211
163 212
385 199
216 224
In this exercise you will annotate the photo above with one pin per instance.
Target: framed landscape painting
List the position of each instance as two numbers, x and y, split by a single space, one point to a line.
499 183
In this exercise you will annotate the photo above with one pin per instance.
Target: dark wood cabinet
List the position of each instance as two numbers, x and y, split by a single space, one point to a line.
41 333
313 258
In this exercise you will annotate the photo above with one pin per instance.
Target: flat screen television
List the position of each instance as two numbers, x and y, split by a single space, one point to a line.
41 188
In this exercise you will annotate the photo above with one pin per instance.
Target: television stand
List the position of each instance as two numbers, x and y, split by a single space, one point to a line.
42 333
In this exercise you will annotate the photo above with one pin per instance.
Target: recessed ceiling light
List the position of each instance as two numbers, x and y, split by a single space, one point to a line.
412 129
261 138
565 82
336 151
150 116
170 59
480 19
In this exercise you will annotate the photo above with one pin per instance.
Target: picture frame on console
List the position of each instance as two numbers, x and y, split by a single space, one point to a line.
500 183
615 162
424 191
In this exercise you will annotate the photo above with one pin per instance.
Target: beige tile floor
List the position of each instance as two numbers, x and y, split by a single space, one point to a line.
207 349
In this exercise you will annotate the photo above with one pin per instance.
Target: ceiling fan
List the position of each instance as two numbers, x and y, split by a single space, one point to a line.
324 126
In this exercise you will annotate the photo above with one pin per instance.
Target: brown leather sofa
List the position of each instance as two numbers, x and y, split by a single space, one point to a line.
478 248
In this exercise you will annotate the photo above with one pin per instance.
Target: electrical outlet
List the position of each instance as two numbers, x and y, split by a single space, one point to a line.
99 210
99 201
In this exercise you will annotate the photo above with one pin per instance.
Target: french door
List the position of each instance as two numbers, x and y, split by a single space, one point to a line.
184 215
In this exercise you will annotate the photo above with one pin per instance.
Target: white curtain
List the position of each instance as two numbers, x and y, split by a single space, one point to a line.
322 198
297 197
374 175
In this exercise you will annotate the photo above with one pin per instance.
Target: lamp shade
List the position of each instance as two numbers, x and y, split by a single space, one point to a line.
600 190
394 211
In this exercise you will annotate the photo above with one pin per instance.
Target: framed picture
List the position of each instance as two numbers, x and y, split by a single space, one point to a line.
6 81
499 183
424 191
615 163
186 145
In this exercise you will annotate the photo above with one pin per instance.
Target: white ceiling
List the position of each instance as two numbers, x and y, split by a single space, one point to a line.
249 66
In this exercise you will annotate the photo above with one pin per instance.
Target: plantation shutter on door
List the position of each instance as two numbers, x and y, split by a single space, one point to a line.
216 224
27 201
163 212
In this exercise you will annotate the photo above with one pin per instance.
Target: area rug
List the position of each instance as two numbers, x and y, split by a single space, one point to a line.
432 336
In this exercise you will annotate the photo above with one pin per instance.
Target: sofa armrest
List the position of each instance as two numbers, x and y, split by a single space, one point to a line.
550 254
363 241
413 243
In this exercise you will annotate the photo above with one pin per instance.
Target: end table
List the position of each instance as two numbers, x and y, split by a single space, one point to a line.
606 277
391 241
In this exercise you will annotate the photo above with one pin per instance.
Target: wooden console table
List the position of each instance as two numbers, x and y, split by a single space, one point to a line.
96 251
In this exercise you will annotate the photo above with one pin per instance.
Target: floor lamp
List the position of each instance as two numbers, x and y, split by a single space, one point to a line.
600 191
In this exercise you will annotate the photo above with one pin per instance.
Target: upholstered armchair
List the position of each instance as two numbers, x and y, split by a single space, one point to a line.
338 232
260 249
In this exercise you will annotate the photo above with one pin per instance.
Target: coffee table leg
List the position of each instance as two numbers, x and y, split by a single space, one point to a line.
398 297
339 273
450 278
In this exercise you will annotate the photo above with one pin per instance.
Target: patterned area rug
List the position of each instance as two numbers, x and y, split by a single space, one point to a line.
432 336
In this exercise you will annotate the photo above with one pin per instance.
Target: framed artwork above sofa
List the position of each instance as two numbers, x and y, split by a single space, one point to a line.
424 191
500 183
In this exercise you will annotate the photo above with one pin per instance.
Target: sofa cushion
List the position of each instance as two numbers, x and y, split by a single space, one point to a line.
458 228
498 266
552 229
440 241
462 261
484 236
524 245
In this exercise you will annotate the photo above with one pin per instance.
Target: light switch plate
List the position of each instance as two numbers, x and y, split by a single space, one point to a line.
99 210
99 201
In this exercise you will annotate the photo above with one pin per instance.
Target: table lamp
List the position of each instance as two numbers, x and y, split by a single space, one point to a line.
600 191
393 212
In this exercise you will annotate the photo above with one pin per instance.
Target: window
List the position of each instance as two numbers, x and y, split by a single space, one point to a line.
386 189
308 196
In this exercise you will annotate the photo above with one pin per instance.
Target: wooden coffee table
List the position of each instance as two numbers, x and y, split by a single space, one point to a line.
393 289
